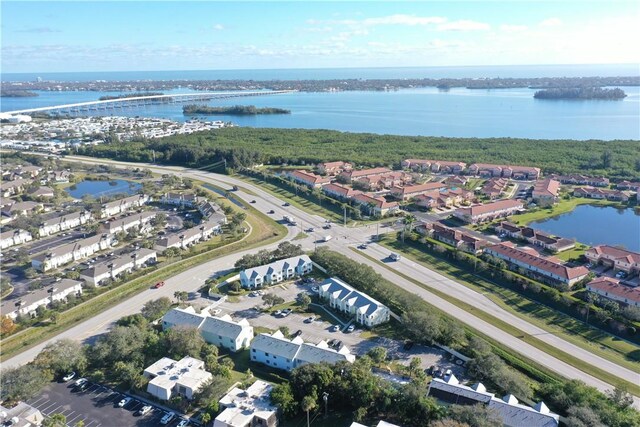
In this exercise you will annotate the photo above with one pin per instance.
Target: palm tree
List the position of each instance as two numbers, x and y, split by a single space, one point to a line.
309 404
206 417
409 220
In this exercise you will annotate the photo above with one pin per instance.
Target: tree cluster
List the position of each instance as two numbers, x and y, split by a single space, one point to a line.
262 257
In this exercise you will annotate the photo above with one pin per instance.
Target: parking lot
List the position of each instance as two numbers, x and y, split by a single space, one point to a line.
96 406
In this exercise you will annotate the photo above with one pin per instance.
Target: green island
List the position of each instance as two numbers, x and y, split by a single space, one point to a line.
17 93
129 95
237 110
580 93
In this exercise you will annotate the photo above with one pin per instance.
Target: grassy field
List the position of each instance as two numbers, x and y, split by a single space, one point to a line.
563 206
572 254
510 329
570 329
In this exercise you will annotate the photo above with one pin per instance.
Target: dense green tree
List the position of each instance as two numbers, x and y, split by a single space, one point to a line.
22 383
55 420
282 397
156 308
61 357
378 354
272 299
475 416
184 341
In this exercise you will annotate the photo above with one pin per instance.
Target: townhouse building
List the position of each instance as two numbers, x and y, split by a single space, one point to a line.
351 175
457 180
250 407
58 177
114 268
628 185
279 352
488 211
546 268
17 209
308 179
27 172
9 238
458 238
381 182
535 237
42 191
545 192
80 249
27 304
276 272
180 199
63 222
376 205
170 378
435 166
221 331
504 171
123 205
619 259
576 179
123 224
410 191
11 188
601 193
333 168
612 289
510 411
494 187
367 311
340 192
189 237
444 198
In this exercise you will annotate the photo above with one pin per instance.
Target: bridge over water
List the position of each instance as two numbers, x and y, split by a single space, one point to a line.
138 101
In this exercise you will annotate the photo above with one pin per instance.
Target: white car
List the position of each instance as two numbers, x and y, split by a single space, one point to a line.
351 328
69 376
168 417
183 423
144 410
335 328
80 382
124 402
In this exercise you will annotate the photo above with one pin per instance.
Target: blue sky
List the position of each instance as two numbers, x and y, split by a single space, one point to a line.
130 36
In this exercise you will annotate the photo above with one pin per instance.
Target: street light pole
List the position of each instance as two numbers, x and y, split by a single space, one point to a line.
325 397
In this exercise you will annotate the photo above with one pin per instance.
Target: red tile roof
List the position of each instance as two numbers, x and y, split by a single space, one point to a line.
411 189
547 187
528 258
492 207
615 253
613 287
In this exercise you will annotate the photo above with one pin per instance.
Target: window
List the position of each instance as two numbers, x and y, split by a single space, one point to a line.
253 350
274 356
266 354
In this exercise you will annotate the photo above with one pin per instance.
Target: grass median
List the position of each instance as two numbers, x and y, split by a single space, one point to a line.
512 330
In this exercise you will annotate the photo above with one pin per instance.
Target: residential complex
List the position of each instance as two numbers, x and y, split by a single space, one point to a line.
444 198
113 268
504 171
620 259
307 178
410 191
169 378
250 407
189 237
436 166
535 237
14 237
276 272
489 211
63 222
28 303
575 179
494 187
612 289
281 353
80 249
376 205
546 192
123 205
333 168
355 174
180 199
123 224
601 193
366 310
456 237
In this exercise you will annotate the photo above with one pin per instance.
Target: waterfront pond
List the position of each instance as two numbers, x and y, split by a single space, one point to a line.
596 225
102 188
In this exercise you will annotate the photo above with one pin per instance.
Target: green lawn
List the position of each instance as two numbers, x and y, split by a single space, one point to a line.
510 329
573 254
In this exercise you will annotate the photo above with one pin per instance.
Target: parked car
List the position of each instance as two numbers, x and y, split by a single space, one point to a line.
315 289
309 319
310 230
80 381
363 246
286 312
144 410
83 386
253 294
331 342
277 313
124 402
335 328
447 372
297 333
183 423
351 328
168 417
260 292
69 376
337 345
158 285
394 256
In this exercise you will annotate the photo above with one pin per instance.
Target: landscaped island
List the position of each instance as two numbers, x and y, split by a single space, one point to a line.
129 95
237 110
17 94
580 93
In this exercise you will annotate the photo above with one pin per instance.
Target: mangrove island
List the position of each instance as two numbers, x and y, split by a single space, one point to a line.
580 93
239 110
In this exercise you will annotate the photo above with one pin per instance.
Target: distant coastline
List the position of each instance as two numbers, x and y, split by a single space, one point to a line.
17 94
129 95
239 110
581 93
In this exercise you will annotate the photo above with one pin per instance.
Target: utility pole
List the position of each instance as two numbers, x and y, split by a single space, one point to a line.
154 155
344 208
325 397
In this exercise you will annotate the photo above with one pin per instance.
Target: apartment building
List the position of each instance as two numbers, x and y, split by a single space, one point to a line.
577 179
250 407
123 205
169 378
333 168
458 238
376 205
612 289
113 268
444 198
386 181
504 171
63 222
488 211
435 166
80 249
340 192
352 175
11 188
308 179
628 185
180 199
185 238
276 272
410 191
26 304
494 187
123 224
535 237
10 238
620 259
342 297
601 193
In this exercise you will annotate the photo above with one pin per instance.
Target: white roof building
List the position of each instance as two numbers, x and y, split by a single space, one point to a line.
367 311
276 271
28 303
169 378
21 415
248 407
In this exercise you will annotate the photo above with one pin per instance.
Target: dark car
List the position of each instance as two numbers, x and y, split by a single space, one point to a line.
286 204
297 333
337 345
253 201
271 211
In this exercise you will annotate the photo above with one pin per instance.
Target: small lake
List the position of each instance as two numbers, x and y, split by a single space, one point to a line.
596 225
102 188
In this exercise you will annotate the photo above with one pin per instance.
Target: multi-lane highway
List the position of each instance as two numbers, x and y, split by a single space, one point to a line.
343 239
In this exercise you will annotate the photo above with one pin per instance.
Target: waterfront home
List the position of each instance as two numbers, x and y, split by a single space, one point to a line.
488 211
221 331
351 175
577 179
504 171
601 193
376 205
180 199
456 237
511 413
276 272
535 237
250 407
63 222
123 205
11 188
443 198
494 187
620 259
545 192
10 238
333 168
26 304
612 289
58 177
169 378
436 166
340 192
279 352
122 224
628 185
410 191
80 249
113 268
189 237
529 259
366 310
306 178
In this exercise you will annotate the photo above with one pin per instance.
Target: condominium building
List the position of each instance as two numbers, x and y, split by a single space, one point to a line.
250 407
436 166
184 239
80 249
169 378
123 205
276 271
307 178
63 222
612 289
488 211
123 224
27 304
10 238
366 310
113 268
620 259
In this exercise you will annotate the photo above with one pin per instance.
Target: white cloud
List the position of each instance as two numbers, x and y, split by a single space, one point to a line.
409 20
512 28
463 25
218 27
551 22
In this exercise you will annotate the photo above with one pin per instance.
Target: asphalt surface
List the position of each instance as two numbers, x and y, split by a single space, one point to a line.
342 239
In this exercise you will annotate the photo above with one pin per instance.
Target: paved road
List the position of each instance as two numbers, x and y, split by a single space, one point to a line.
343 238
